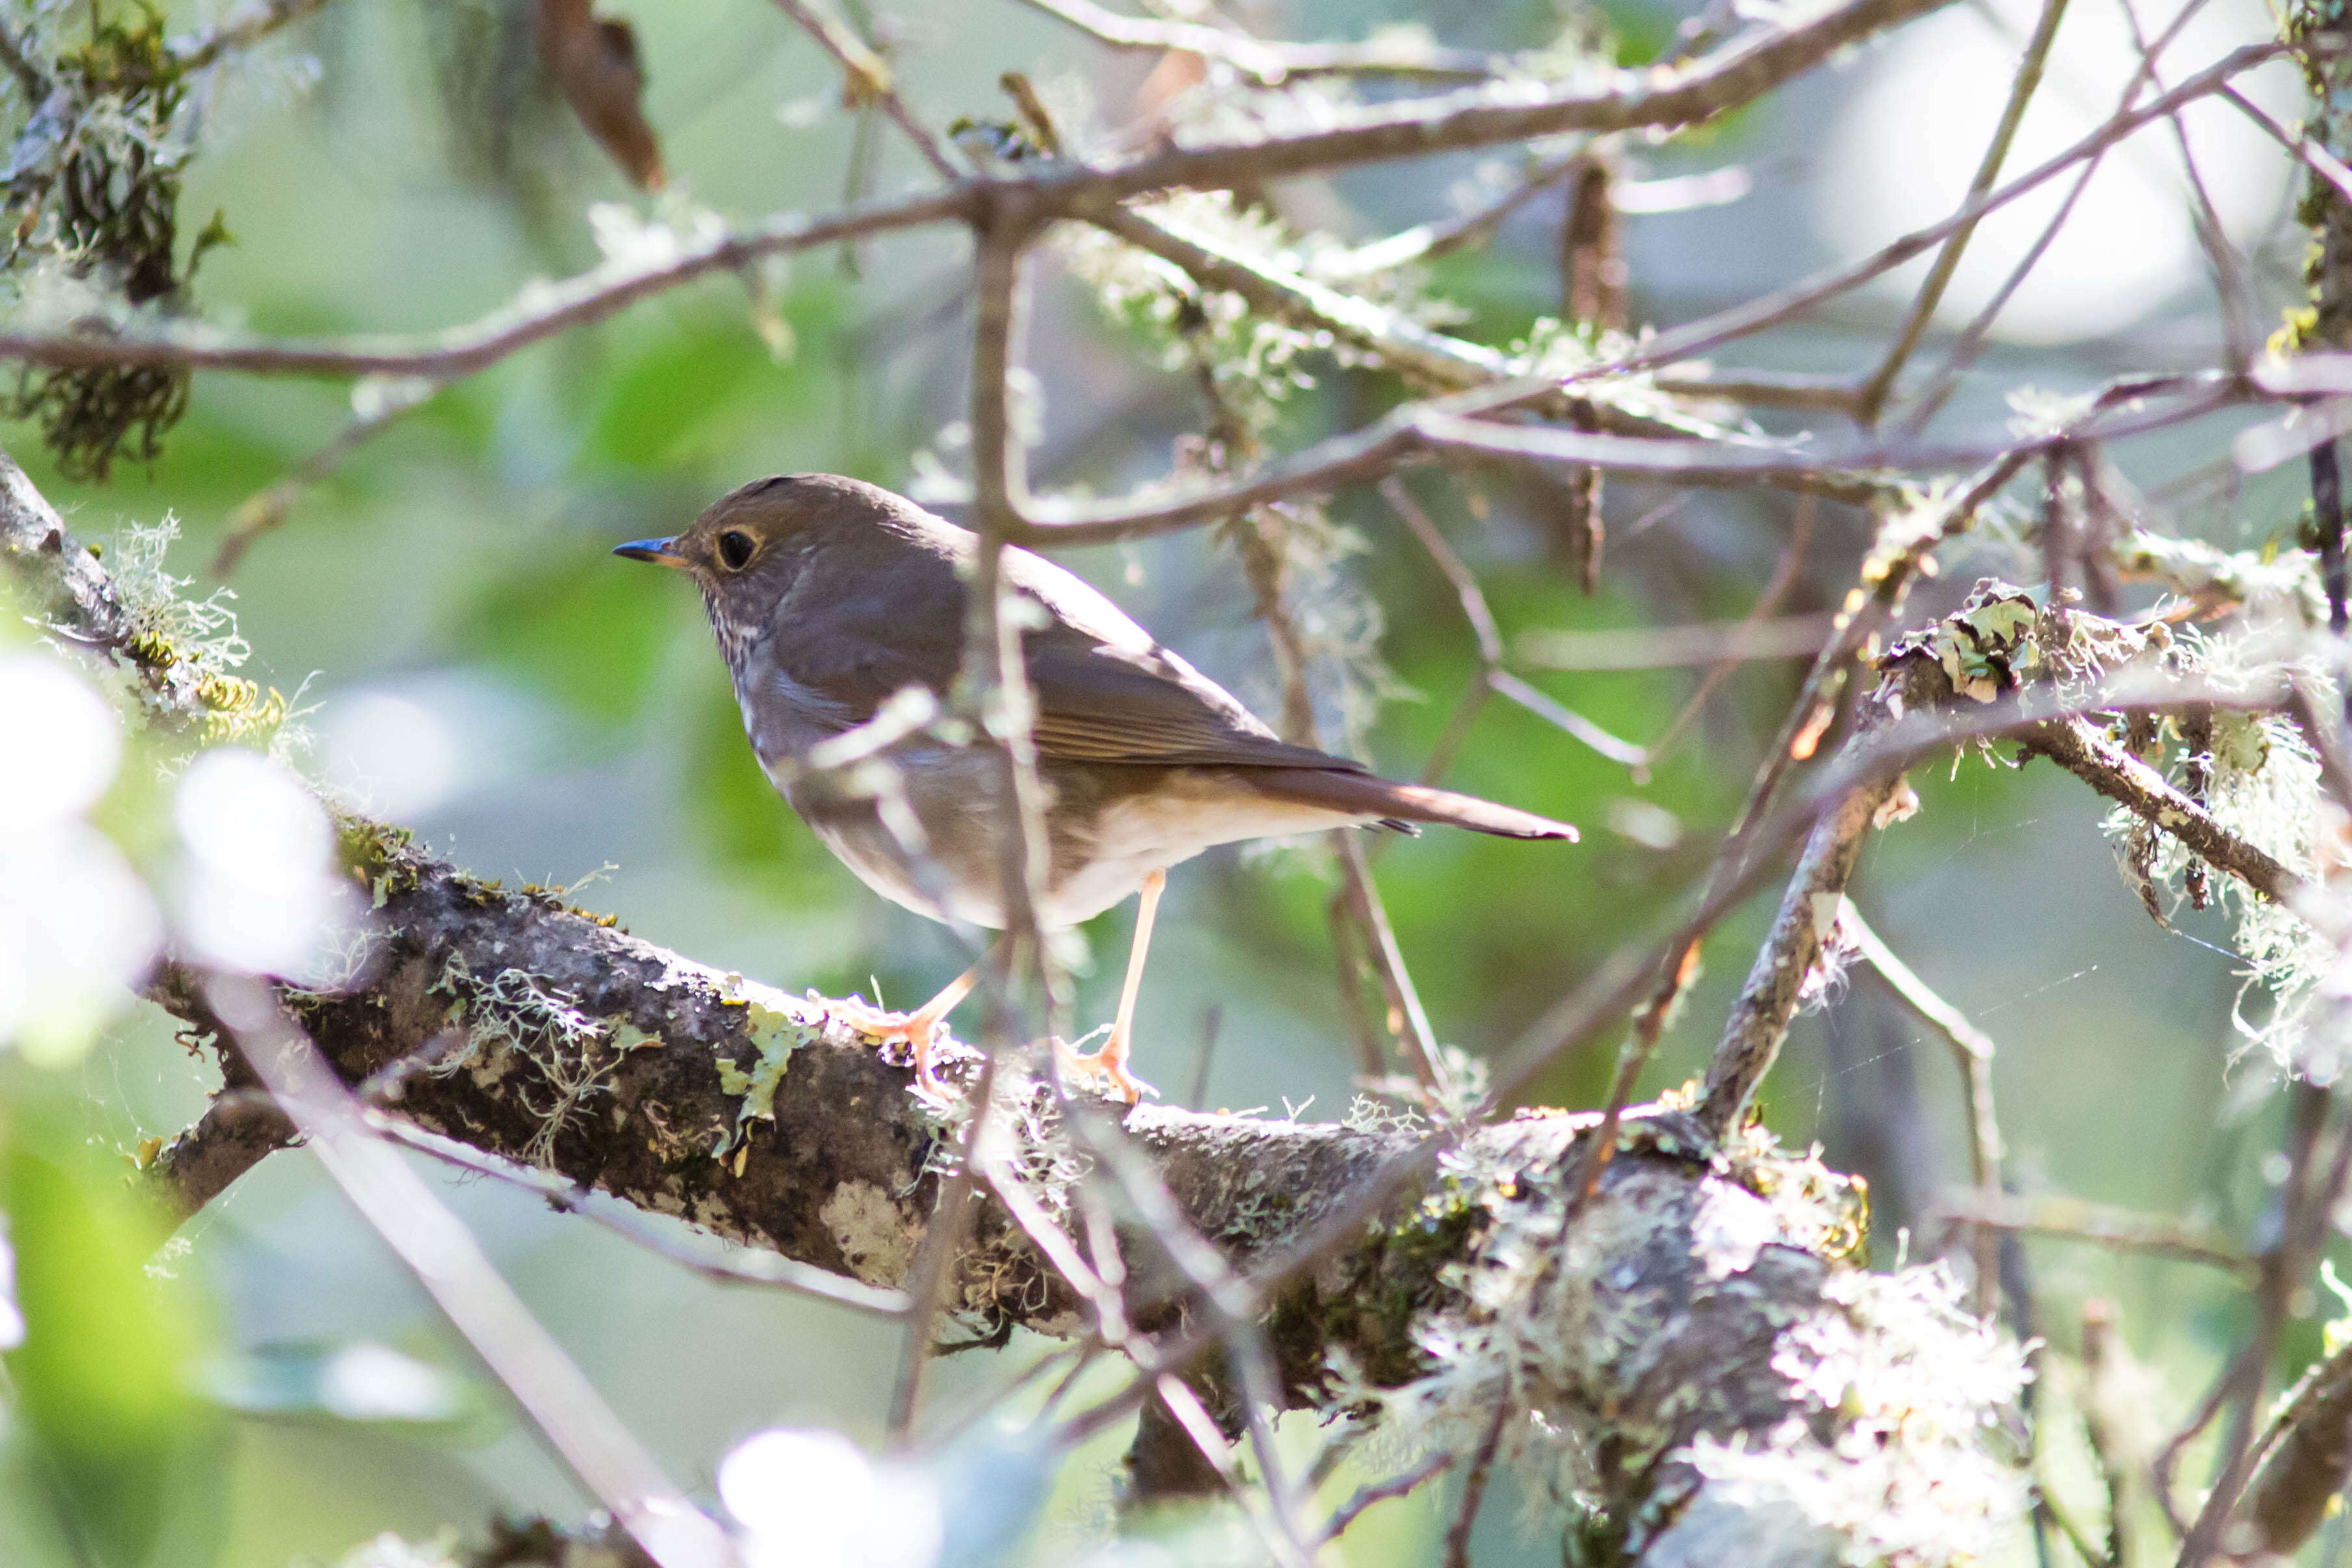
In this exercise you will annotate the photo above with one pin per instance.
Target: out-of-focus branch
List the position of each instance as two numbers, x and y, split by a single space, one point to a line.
262 513
2103 1225
247 25
1269 63
1872 396
866 77
548 309
2305 1458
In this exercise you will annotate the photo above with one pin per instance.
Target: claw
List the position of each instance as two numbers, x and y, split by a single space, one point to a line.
1108 1065
916 1029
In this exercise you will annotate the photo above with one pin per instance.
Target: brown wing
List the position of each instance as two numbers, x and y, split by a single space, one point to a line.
1107 693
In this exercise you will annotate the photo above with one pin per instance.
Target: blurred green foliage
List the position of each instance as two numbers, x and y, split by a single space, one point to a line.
103 1381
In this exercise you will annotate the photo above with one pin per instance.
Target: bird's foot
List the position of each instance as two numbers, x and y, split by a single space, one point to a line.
1106 1066
916 1030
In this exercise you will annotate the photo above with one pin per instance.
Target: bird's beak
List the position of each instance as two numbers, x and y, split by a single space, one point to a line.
655 550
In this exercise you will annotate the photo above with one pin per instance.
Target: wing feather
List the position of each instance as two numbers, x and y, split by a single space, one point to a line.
1107 691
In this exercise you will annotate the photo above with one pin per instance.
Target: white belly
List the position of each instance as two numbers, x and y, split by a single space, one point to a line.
1134 837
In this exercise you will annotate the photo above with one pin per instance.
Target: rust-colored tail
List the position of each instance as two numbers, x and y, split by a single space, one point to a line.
1371 796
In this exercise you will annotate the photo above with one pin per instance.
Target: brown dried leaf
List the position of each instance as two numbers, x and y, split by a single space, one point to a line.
593 62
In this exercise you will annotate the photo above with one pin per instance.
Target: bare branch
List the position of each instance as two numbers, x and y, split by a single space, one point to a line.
1759 1020
1972 1049
1268 64
867 78
1872 395
462 350
2072 1218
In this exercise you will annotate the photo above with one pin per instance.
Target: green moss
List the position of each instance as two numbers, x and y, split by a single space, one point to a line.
374 856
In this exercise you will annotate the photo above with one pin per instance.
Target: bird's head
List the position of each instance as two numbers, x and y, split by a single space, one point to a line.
749 550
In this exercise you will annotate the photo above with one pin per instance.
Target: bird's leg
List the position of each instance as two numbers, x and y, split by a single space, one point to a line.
917 1028
1110 1061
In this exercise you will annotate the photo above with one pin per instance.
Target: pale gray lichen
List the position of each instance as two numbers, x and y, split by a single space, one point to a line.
2261 782
517 1016
877 1237
1911 1474
1897 1450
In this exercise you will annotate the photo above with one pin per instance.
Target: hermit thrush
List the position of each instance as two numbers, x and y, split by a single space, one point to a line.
830 596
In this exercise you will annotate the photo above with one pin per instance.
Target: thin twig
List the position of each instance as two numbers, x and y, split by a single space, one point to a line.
1872 393
935 1260
755 1268
1373 1492
1473 1487
2103 1225
1971 341
2310 153
266 511
1488 633
1269 64
551 308
1972 1049
246 24
2306 1216
2230 284
868 80
1747 634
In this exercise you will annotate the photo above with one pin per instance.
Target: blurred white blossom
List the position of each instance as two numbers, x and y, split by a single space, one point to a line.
258 891
814 1499
77 925
63 749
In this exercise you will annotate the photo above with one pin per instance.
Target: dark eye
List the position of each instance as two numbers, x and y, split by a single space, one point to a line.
735 549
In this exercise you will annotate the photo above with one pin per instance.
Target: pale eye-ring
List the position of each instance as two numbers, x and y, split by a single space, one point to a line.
735 548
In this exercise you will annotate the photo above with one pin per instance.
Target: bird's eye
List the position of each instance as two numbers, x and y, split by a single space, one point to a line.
735 549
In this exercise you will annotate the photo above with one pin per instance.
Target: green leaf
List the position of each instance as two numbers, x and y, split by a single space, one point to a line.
102 1375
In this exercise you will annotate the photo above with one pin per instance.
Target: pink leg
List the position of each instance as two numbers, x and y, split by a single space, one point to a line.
1110 1061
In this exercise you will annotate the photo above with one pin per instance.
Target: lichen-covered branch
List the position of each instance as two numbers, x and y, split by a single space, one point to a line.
1671 1355
2078 748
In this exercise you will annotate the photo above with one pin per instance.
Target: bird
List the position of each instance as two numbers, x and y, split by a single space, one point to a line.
831 597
